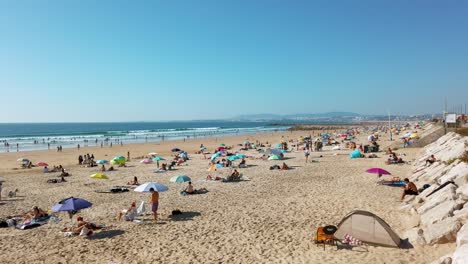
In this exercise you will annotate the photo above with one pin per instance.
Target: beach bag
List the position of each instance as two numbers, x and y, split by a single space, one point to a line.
176 212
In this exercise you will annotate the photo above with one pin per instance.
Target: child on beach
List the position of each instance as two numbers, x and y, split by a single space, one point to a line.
154 200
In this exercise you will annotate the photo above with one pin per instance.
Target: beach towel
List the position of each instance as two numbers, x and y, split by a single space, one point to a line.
34 223
113 190
398 183
350 240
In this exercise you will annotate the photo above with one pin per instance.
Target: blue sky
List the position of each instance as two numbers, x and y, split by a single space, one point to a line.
178 60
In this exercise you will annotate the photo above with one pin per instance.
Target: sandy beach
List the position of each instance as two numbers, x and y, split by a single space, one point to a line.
269 218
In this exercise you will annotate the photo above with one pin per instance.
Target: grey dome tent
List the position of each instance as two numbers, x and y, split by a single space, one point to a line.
368 228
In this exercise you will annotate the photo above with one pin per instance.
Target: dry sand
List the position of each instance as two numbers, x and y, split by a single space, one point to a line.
269 219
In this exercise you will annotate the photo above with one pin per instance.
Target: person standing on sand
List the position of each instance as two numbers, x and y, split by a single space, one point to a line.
306 154
154 203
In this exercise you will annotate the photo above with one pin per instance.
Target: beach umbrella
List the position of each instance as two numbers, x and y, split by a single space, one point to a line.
214 156
219 165
222 145
284 151
152 153
146 161
355 154
414 135
102 161
274 157
278 145
233 158
246 142
118 160
42 164
180 178
275 152
175 149
240 155
71 204
99 176
378 171
202 148
145 187
22 160
158 158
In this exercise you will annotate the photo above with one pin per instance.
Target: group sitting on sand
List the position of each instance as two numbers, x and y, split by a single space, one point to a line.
283 166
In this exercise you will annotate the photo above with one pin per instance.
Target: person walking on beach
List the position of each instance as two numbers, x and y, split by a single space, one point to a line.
306 154
154 203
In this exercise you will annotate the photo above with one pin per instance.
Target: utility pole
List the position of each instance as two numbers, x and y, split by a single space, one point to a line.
389 125
445 112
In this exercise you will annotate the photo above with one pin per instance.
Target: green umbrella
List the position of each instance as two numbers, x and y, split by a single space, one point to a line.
274 157
158 158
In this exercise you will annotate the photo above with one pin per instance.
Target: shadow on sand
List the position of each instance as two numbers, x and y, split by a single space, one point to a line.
185 216
106 234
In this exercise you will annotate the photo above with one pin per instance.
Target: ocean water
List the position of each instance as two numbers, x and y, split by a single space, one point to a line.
37 136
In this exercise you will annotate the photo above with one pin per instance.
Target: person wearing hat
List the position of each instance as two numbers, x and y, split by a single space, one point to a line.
129 214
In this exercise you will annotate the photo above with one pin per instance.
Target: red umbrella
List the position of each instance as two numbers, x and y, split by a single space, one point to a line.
42 164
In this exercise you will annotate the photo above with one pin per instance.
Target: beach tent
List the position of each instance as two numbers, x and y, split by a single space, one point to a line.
368 228
274 157
355 154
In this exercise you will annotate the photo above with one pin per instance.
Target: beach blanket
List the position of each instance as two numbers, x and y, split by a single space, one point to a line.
113 190
159 171
34 223
393 183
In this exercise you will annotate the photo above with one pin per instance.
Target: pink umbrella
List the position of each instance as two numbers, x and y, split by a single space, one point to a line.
378 171
146 161
42 164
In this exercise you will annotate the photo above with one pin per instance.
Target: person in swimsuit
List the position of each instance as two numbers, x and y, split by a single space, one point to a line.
154 203
410 189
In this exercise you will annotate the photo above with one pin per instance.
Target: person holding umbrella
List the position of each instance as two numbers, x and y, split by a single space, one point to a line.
154 203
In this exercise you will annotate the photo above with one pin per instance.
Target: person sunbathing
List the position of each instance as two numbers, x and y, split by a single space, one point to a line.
191 190
409 189
36 213
430 160
64 173
284 166
129 214
111 168
242 164
163 167
235 174
209 178
81 225
134 182
103 168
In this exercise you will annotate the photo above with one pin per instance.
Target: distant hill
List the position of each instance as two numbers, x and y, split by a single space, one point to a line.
327 115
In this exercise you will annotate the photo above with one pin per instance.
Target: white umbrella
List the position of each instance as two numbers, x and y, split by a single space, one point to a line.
145 187
152 153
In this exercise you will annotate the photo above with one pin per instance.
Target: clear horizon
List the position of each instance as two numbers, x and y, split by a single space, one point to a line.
122 61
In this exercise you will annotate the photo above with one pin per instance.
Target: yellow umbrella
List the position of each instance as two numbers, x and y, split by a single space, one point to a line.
99 176
414 135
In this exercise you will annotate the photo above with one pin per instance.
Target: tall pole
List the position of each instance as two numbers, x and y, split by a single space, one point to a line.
445 112
390 126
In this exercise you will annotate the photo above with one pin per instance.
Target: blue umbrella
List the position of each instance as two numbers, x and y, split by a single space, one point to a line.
71 204
102 161
180 178
219 165
240 155
158 158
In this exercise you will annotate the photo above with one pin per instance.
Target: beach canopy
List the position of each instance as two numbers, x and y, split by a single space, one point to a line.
119 160
355 154
180 178
368 228
378 171
233 158
145 187
175 149
102 161
99 176
158 158
274 157
71 204
42 164
275 152
146 161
